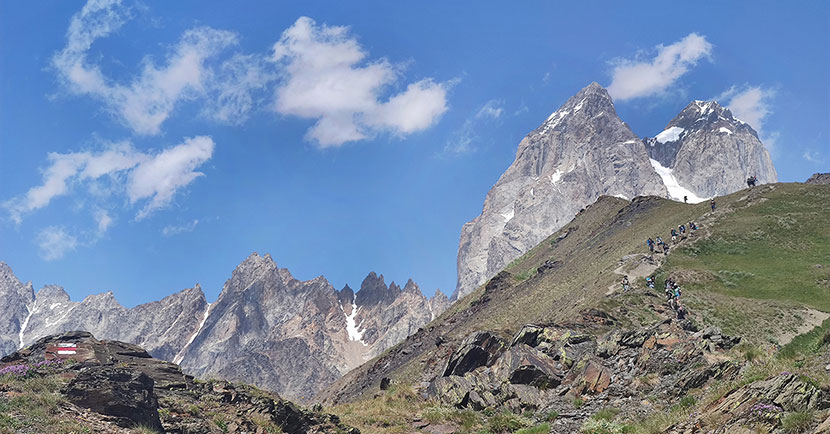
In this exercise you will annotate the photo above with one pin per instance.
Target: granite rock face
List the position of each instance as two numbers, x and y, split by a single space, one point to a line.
266 328
16 300
709 152
582 151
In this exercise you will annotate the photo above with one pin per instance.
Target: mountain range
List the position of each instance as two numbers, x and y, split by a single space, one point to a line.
266 327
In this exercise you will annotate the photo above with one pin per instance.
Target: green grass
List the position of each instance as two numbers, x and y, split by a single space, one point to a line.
797 422
538 429
812 342
768 251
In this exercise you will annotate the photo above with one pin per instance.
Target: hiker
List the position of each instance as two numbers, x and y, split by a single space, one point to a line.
665 249
650 282
677 291
712 203
682 229
681 312
650 243
685 199
625 283
673 235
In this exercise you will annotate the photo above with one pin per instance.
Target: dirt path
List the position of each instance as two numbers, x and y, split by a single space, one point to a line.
634 266
811 319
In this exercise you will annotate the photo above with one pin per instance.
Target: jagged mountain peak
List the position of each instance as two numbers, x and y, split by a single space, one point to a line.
52 293
588 105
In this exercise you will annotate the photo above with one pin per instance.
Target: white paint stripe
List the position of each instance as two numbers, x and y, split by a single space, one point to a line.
66 345
67 352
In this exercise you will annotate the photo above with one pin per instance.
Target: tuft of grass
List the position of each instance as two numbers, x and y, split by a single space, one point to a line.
603 426
606 414
796 422
506 422
812 342
538 429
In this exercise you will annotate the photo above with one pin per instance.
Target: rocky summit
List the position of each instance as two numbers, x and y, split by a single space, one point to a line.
705 151
266 328
584 150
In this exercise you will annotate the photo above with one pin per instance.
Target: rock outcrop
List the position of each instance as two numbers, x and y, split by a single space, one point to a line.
121 384
582 151
705 152
545 368
819 178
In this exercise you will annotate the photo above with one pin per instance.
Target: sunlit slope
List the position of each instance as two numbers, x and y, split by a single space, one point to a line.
758 265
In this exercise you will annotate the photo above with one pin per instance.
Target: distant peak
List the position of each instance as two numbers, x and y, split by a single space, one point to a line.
439 295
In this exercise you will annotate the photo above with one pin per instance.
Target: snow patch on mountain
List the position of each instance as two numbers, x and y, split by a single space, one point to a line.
676 191
351 327
670 135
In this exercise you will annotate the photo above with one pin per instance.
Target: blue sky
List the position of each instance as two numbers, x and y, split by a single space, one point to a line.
145 147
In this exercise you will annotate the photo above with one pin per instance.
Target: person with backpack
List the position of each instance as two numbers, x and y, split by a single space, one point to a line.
625 284
682 229
712 203
673 235
685 199
650 282
650 244
665 249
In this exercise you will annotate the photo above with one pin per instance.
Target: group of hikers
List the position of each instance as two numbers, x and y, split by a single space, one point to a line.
751 181
672 292
676 234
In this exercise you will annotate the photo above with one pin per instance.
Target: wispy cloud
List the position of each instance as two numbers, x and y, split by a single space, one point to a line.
327 77
54 242
171 230
752 104
145 177
492 109
462 140
813 157
647 77
159 177
147 101
103 221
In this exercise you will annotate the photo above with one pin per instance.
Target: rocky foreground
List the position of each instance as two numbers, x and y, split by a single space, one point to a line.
112 387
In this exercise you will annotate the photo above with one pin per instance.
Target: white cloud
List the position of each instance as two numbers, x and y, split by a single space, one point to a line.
750 104
639 78
171 230
236 86
65 168
148 100
160 177
156 177
491 109
103 221
326 77
54 242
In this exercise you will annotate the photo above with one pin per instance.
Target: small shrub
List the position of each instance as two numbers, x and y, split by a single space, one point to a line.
797 422
551 416
687 401
578 402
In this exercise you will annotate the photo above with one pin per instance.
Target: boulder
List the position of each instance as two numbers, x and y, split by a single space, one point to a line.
124 394
478 349
523 364
589 377
453 390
